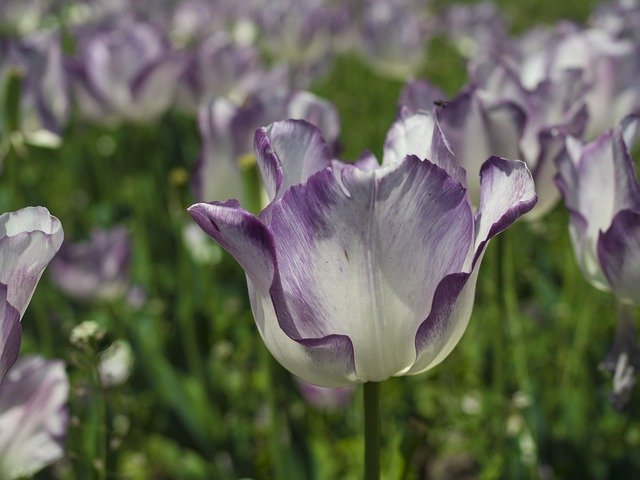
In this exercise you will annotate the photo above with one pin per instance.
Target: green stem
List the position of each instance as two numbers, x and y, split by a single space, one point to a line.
498 343
101 466
372 431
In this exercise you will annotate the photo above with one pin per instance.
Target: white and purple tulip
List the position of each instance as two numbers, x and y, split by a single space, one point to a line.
33 416
96 269
29 238
44 103
126 72
601 192
227 136
394 36
496 115
357 273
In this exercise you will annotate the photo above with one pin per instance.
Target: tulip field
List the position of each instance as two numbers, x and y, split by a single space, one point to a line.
309 239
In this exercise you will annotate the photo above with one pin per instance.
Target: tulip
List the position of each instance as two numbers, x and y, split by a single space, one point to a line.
475 28
29 238
43 107
607 65
602 194
394 37
227 133
357 273
497 115
33 416
302 35
222 68
94 269
127 72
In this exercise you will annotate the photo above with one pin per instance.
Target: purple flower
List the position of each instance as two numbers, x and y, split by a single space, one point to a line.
475 28
608 67
96 269
44 105
125 72
302 35
227 136
602 194
395 35
361 272
324 398
33 416
497 115
29 238
222 68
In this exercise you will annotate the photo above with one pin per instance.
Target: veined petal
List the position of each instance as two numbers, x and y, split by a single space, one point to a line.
29 238
327 361
619 255
507 193
419 134
450 313
344 264
243 235
33 416
288 153
10 333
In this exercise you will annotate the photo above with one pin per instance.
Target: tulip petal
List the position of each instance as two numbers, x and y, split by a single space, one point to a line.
419 134
10 333
597 181
450 313
478 127
619 255
507 193
327 361
289 152
29 238
33 416
217 176
244 236
420 95
348 243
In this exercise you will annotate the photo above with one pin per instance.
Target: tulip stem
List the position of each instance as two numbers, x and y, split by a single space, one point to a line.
372 431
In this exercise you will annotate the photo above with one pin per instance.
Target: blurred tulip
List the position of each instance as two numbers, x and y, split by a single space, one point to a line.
43 106
33 416
96 269
475 27
395 34
601 192
125 72
220 67
324 398
357 275
227 136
